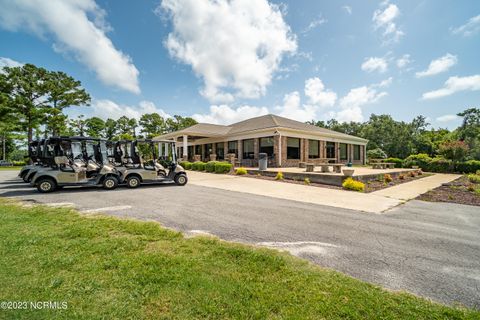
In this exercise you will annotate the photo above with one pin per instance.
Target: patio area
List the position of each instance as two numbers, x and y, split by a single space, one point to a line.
361 173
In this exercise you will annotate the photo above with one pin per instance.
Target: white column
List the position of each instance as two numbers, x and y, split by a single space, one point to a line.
185 147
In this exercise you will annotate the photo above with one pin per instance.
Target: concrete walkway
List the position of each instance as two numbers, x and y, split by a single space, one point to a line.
413 189
289 191
375 202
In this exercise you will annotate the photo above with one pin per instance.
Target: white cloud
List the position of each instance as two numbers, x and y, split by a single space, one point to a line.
403 61
315 23
224 114
384 84
375 64
447 118
439 65
105 109
317 95
347 9
293 109
468 29
383 18
356 98
454 85
234 46
7 62
79 28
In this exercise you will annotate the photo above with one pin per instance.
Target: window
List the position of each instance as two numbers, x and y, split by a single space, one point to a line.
313 149
356 152
198 149
293 148
330 150
266 146
220 151
343 151
233 147
248 149
207 150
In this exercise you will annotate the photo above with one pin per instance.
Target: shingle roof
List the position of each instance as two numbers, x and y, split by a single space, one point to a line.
257 123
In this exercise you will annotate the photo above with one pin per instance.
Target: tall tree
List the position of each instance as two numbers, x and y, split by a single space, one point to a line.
469 131
178 122
63 91
94 127
152 124
110 129
28 85
77 126
123 125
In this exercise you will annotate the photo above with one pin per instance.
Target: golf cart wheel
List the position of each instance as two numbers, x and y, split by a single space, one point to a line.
110 183
133 182
46 185
181 179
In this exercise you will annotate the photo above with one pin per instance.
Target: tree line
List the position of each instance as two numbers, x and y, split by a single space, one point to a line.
33 101
400 139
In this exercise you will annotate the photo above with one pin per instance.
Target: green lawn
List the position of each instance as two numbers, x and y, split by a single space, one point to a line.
121 269
10 168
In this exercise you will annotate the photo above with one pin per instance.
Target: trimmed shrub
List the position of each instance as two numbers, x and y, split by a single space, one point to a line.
223 167
187 165
440 165
470 166
376 154
279 176
240 171
306 181
19 163
421 160
474 178
210 166
398 162
350 184
387 178
198 166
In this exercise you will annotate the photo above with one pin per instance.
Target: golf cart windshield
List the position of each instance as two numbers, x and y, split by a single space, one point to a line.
104 151
77 150
90 149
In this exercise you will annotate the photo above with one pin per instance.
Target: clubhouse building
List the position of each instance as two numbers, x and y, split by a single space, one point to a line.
286 143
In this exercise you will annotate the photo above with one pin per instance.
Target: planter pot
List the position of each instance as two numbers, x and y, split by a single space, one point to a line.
348 172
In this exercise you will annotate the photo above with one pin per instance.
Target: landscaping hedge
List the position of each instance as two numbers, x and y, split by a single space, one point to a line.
422 160
186 165
440 165
223 167
470 166
210 166
198 166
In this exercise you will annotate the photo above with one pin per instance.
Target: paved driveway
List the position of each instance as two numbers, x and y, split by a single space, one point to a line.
432 250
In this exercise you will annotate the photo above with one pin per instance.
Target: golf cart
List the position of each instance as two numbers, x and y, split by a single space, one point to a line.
138 163
42 157
33 154
77 161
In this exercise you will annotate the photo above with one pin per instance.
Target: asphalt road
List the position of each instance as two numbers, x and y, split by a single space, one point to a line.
430 249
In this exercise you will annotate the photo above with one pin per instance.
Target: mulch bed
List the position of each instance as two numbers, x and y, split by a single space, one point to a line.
376 185
453 192
292 181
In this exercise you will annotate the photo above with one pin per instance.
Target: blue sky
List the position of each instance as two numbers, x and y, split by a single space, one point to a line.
224 61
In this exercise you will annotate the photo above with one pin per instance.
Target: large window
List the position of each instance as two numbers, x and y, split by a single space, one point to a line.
293 148
220 151
233 147
343 151
207 151
248 152
198 149
313 149
356 152
330 149
266 146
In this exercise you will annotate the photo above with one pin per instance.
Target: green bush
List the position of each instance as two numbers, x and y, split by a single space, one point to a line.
376 154
440 165
422 160
198 166
240 171
398 162
19 163
470 166
474 178
186 165
210 166
279 176
223 167
350 184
